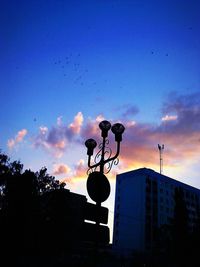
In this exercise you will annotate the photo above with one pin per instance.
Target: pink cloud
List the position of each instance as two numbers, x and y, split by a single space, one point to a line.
139 145
18 138
61 169
11 143
80 169
180 133
56 139
181 137
20 135
169 118
75 126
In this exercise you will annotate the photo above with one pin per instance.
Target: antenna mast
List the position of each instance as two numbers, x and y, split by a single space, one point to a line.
161 148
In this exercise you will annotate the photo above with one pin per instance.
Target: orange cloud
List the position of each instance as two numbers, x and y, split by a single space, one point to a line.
76 125
61 144
61 169
139 145
18 138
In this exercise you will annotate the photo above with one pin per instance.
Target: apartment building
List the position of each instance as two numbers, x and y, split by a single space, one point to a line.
144 201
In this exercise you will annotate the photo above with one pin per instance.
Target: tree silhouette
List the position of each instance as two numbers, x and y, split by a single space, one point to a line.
46 182
20 209
11 171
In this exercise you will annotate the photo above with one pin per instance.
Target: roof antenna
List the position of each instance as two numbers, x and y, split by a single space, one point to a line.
161 148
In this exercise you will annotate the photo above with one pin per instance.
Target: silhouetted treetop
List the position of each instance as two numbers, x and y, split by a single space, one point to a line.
46 182
13 178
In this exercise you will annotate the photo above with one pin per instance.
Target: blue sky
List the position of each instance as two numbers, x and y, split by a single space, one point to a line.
65 65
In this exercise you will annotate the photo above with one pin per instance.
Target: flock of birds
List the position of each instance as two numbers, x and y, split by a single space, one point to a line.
72 68
75 71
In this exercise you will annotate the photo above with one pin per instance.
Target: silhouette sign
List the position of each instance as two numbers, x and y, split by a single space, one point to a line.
98 187
93 213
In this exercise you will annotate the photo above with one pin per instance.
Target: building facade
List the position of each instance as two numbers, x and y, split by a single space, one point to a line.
144 202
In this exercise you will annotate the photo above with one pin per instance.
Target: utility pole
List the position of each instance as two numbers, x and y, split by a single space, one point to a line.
161 148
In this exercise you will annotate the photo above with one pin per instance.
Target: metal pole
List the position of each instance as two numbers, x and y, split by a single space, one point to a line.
98 203
161 148
102 156
160 161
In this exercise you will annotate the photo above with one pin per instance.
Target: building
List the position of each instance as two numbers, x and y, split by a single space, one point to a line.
144 202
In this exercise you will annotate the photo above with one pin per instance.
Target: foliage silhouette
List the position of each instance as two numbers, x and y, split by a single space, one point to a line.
20 212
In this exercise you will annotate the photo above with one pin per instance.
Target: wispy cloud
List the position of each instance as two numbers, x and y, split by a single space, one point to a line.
169 118
127 110
18 139
187 110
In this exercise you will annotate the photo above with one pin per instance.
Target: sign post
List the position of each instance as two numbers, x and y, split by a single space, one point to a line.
98 186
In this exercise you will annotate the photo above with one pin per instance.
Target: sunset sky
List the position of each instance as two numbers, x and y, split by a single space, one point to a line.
67 65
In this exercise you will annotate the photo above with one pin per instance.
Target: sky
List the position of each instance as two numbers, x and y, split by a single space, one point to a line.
67 65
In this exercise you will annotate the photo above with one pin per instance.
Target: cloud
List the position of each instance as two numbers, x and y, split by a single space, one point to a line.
61 169
178 130
180 137
169 118
59 121
11 143
57 139
91 128
180 133
128 110
80 169
75 126
18 139
187 110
